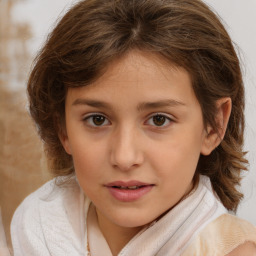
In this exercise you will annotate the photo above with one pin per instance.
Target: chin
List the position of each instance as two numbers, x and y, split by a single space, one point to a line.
133 222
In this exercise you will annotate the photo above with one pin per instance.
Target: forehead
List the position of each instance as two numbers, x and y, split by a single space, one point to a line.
140 65
140 75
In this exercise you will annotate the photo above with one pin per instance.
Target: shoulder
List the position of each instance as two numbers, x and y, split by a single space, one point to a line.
29 209
26 227
44 216
247 248
224 235
49 193
231 225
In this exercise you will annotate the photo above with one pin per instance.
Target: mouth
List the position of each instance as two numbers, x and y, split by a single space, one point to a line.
128 191
129 188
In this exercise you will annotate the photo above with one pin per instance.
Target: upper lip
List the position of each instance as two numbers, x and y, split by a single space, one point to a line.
130 183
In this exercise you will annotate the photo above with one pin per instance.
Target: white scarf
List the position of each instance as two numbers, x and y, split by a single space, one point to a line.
174 231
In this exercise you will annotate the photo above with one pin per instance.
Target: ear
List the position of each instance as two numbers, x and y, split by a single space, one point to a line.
63 137
214 137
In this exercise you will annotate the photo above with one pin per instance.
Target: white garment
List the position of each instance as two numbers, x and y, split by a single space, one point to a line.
52 221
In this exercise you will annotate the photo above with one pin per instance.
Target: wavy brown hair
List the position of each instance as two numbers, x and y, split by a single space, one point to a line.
185 32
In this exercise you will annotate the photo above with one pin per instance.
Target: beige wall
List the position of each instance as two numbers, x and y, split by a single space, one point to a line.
21 155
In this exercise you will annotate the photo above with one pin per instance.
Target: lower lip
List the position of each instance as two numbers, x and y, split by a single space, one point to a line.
129 195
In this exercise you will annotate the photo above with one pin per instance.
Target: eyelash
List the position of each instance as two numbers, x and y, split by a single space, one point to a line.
165 118
90 122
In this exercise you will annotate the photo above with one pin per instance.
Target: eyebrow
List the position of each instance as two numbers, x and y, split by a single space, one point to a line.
159 104
92 103
142 106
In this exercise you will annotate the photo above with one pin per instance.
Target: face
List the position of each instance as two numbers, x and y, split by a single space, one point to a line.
135 136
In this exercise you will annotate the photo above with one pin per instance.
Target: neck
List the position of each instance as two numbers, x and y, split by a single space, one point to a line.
116 236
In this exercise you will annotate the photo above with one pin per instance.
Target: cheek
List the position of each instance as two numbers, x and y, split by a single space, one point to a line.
89 160
87 170
176 159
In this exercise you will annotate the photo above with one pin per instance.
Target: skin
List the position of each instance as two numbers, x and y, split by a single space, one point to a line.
128 145
247 248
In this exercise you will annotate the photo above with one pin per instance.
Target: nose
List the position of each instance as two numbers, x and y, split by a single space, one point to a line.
126 150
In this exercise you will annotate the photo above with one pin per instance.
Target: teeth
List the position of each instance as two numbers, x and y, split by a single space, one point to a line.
131 187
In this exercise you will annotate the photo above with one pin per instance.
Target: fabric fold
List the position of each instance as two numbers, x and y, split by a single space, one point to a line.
173 232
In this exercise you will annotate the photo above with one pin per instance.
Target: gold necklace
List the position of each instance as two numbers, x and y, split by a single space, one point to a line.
88 247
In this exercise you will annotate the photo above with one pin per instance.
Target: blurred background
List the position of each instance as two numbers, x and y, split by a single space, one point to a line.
24 25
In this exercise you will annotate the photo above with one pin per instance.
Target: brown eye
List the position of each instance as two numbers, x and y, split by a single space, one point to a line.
98 120
159 120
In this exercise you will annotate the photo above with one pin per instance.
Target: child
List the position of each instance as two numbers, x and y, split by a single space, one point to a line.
140 105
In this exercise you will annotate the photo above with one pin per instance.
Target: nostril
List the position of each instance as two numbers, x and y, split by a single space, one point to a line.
125 151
